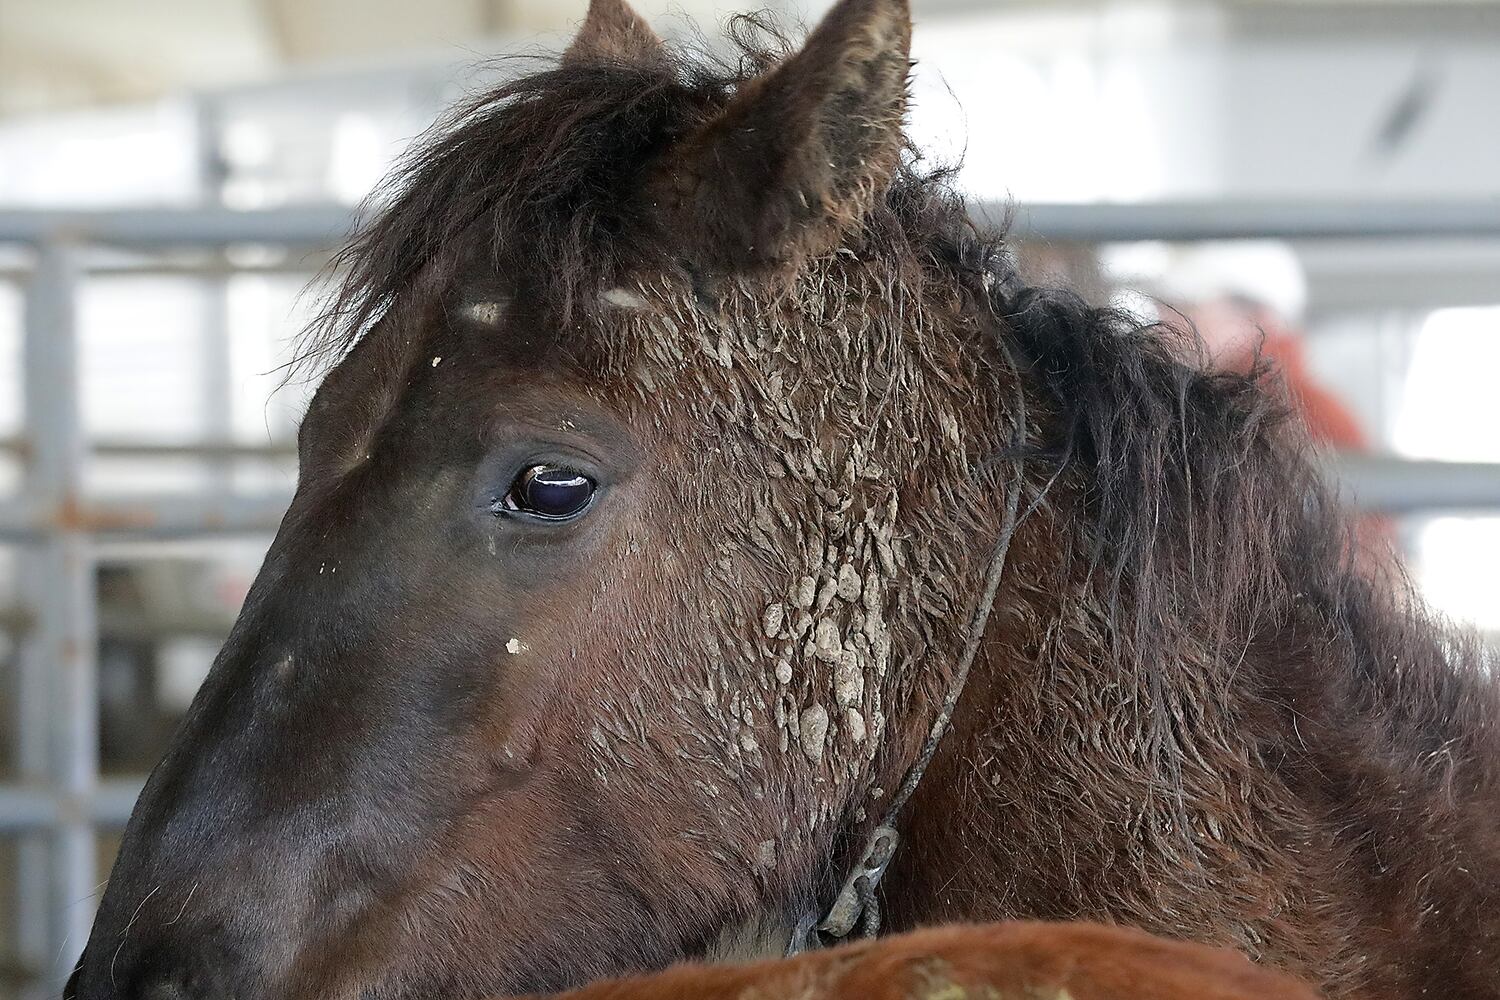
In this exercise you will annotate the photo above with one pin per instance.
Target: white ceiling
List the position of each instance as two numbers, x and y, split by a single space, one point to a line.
57 53
70 53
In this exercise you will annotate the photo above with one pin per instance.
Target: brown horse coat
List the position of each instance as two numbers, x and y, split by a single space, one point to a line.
1014 961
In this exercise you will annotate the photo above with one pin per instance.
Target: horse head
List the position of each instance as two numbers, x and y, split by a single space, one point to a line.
635 529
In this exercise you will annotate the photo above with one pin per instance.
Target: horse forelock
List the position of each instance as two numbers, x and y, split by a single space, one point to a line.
542 174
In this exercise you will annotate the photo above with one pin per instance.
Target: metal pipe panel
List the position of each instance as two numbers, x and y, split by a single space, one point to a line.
66 638
320 225
1216 220
1407 486
327 225
214 448
26 808
166 516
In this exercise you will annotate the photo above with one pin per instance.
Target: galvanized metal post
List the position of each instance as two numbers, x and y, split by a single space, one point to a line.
33 702
217 365
34 947
216 380
63 595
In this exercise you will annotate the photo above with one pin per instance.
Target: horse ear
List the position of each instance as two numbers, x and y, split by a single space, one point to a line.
613 32
801 152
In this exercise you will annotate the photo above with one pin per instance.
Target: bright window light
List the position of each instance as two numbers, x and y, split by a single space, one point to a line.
1078 104
1450 409
89 159
358 158
1455 565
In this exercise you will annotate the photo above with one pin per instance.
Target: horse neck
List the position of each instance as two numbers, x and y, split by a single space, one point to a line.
1210 795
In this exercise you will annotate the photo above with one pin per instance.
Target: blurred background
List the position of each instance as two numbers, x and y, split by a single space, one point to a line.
173 172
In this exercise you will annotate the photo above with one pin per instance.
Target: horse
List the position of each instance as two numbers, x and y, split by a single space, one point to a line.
705 543
1015 960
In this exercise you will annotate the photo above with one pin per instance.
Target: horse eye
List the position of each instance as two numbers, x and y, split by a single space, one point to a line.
550 492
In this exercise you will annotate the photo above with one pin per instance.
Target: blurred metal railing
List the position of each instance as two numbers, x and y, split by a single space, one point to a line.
324 225
1290 219
60 804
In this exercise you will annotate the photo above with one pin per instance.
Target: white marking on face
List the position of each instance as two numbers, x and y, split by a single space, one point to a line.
515 647
485 313
437 361
622 297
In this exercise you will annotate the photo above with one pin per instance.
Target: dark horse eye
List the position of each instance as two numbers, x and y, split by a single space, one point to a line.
550 492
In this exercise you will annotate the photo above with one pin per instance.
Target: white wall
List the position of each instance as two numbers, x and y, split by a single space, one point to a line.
1126 102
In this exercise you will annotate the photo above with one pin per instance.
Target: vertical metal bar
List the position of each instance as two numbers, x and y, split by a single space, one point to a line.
212 170
217 381
33 732
33 703
65 594
215 356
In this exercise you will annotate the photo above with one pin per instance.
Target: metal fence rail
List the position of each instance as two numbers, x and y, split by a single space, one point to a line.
323 225
60 803
1225 220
